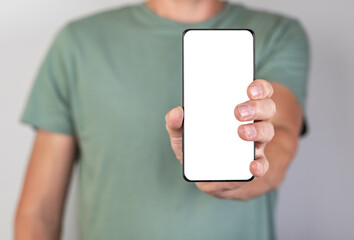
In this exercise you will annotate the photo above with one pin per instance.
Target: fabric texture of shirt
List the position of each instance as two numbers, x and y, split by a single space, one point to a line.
109 79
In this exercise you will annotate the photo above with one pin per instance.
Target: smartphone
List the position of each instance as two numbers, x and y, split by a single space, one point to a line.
218 66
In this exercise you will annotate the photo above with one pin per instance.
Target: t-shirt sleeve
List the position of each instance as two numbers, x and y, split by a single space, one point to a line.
287 60
48 106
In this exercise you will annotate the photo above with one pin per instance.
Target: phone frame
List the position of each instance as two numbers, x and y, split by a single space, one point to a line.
254 69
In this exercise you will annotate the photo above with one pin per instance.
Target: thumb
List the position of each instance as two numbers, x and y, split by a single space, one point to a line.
174 126
174 120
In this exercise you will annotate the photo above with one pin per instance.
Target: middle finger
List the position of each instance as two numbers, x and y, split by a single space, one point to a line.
255 110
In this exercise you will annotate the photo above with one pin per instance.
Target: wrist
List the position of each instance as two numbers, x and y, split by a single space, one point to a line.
31 226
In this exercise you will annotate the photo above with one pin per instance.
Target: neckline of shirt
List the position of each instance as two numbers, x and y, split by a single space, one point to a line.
151 15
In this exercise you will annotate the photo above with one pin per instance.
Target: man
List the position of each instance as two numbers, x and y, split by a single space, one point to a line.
105 95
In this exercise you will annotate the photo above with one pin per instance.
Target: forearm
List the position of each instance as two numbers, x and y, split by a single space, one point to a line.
280 152
30 226
42 200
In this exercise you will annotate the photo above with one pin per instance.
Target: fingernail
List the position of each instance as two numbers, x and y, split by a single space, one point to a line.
256 91
245 110
250 130
260 167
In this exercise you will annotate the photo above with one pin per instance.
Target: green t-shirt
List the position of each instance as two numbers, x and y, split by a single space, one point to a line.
109 79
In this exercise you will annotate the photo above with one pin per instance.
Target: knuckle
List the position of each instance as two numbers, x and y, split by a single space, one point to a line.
273 106
261 133
265 108
259 108
272 132
269 132
269 88
265 130
266 164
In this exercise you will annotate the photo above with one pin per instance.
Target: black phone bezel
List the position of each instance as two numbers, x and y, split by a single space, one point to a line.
254 67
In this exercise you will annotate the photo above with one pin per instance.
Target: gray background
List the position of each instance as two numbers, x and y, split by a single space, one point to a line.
316 199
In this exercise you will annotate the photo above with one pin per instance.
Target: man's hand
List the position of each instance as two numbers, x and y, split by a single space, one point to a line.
261 108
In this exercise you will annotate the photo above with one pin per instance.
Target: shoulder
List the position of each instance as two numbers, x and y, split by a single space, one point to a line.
271 27
268 24
102 22
104 17
264 18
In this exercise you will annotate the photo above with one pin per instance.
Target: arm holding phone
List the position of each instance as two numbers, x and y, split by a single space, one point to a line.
276 130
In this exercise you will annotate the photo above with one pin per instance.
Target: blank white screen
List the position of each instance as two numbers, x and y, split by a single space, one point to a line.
218 66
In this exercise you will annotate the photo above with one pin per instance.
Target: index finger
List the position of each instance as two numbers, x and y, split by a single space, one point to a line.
260 89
